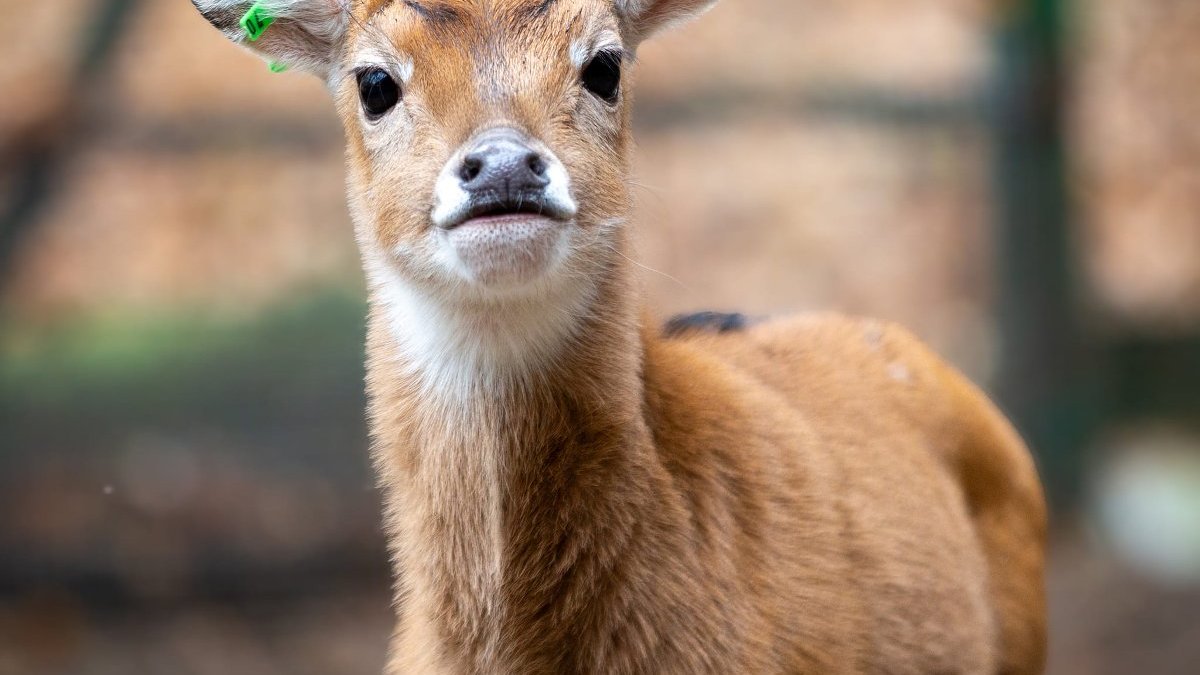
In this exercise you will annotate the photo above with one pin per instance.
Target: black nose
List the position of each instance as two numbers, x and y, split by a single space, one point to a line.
502 164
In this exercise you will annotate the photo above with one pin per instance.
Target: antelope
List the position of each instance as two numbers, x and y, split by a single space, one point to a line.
569 487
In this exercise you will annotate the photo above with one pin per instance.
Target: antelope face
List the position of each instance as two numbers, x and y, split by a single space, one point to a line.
487 139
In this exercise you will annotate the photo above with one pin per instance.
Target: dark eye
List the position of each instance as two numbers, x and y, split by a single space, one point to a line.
378 91
602 76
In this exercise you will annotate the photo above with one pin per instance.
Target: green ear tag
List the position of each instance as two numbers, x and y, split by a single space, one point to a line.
256 21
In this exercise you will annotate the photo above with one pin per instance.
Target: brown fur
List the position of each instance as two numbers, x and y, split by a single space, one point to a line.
816 495
812 495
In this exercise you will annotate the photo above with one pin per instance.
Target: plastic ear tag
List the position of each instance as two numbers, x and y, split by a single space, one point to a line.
256 21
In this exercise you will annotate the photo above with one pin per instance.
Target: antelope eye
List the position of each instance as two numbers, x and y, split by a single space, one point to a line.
602 75
378 91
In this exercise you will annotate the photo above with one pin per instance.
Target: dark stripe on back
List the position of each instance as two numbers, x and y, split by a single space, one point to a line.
704 322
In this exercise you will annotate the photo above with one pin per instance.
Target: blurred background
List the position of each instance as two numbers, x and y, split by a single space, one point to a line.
184 485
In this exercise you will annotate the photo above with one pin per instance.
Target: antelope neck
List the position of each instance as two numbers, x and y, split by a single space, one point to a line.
498 491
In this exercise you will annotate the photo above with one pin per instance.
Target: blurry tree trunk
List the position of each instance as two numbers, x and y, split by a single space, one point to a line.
1044 380
31 162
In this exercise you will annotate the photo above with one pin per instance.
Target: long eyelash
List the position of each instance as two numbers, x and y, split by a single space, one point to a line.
613 55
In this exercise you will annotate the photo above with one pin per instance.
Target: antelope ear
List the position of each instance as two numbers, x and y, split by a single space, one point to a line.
644 18
302 34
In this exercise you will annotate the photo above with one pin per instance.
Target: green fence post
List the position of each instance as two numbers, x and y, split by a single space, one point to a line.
1043 381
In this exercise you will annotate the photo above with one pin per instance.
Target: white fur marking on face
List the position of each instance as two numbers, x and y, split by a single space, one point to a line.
451 201
579 52
406 70
400 67
582 51
449 197
558 192
510 253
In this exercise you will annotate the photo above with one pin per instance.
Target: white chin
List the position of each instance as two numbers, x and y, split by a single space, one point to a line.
508 251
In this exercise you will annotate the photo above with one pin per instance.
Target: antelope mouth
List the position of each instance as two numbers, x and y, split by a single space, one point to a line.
497 210
508 243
